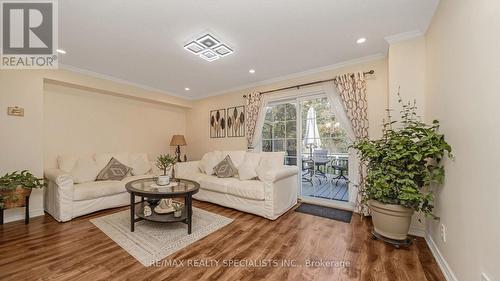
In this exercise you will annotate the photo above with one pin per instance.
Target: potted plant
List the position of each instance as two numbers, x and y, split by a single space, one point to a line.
165 162
177 209
15 187
400 168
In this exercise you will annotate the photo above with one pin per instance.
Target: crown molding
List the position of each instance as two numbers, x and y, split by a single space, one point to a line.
121 81
403 36
377 56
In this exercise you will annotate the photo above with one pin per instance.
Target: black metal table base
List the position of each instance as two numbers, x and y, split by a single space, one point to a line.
188 203
396 243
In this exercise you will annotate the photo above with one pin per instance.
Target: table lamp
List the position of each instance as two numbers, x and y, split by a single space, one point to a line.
178 140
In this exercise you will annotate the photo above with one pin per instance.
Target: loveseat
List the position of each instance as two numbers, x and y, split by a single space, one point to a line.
72 190
268 188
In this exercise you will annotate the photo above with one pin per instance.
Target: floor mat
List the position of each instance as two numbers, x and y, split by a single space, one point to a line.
325 212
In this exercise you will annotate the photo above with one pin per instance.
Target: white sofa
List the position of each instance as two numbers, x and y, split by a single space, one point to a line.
269 197
66 199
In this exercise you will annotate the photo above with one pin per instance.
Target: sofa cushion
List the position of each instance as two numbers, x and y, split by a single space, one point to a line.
66 163
133 178
236 156
226 168
214 183
139 163
270 161
250 189
97 189
194 176
209 161
102 159
84 170
115 170
247 169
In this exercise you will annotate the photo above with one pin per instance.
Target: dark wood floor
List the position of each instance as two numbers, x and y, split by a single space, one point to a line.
77 250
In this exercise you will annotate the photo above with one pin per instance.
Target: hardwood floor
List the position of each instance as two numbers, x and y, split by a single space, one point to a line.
77 250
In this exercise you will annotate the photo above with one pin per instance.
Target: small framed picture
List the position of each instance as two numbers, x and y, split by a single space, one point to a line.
218 123
236 121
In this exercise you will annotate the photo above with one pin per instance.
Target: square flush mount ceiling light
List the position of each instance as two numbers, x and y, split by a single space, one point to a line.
208 48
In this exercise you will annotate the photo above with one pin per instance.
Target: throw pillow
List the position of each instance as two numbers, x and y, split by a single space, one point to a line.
269 161
209 161
139 163
85 170
247 169
114 170
226 168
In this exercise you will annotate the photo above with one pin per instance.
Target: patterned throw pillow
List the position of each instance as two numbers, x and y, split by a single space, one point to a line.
114 170
226 168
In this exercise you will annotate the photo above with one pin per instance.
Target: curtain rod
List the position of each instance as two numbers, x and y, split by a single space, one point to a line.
306 84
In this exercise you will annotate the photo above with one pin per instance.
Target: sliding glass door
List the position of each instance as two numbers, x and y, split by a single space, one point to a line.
307 131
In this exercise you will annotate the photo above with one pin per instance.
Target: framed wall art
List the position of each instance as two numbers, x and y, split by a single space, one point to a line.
236 121
218 123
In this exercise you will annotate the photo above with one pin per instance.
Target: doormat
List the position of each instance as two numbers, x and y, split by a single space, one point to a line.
325 212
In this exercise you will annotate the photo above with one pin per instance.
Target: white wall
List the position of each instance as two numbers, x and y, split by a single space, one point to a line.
463 82
407 73
85 122
21 138
199 140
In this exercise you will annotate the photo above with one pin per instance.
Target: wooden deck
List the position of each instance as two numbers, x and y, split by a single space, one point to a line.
326 189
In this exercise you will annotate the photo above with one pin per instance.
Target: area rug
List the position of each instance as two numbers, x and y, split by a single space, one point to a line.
151 242
325 212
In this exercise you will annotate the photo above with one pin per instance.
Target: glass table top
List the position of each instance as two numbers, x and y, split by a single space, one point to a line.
149 186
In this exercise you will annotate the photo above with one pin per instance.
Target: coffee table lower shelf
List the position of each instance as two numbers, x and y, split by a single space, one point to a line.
162 218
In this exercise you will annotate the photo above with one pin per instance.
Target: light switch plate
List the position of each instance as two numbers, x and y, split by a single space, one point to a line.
15 111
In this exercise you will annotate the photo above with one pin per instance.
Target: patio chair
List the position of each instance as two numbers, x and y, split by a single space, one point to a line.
307 170
320 159
340 164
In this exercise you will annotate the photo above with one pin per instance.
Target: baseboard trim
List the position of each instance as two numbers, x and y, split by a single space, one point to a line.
417 232
20 216
445 268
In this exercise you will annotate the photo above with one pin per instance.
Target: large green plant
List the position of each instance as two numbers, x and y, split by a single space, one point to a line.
9 182
404 161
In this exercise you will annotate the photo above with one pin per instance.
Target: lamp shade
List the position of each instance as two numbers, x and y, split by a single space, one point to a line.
178 140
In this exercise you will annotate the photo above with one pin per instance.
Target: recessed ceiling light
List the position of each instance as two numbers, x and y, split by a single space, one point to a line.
252 71
61 51
361 40
187 89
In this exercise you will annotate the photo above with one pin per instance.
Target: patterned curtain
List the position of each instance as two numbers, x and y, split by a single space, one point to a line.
351 88
254 103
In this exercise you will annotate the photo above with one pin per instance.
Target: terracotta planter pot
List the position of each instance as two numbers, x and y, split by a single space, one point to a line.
15 198
391 221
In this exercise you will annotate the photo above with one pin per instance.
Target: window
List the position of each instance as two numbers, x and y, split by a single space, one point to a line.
280 130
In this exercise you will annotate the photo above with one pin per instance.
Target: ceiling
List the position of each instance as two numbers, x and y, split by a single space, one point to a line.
141 42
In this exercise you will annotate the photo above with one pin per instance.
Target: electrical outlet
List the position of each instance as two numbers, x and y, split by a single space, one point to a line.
443 233
484 277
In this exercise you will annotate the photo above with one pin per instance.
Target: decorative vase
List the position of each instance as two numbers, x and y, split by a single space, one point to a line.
147 211
15 198
163 180
391 221
178 213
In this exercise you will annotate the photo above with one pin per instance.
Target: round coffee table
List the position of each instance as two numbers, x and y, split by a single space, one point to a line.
146 188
